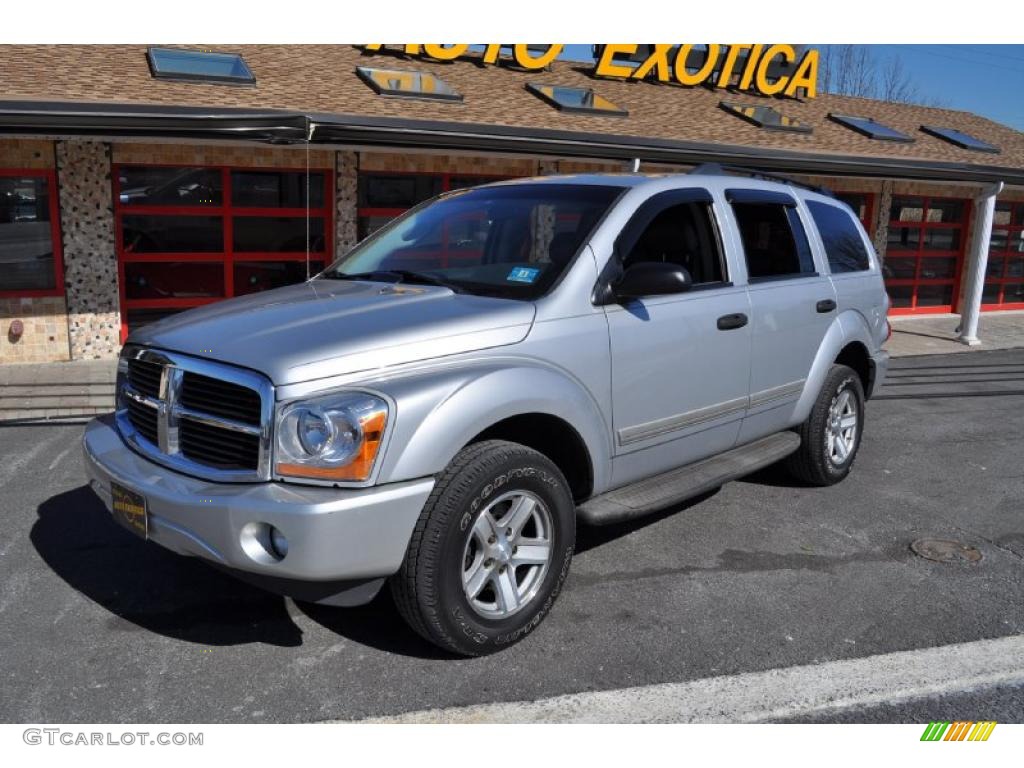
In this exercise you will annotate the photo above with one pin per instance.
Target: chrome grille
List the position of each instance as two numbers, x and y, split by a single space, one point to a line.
207 419
220 398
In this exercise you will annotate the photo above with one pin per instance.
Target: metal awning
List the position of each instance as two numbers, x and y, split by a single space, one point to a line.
290 127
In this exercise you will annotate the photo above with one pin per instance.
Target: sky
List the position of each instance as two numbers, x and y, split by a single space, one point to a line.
985 79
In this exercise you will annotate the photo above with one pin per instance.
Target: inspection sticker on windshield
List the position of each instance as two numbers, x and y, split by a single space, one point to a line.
523 274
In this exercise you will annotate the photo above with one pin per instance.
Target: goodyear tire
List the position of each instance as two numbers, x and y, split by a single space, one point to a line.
490 551
831 435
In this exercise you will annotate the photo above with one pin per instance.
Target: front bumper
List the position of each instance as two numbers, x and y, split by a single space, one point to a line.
333 534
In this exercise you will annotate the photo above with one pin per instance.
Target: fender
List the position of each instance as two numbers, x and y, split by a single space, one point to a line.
439 412
845 328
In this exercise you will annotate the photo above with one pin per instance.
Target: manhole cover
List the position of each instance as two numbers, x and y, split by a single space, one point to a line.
944 551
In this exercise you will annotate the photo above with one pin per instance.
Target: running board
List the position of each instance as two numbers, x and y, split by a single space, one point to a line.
654 493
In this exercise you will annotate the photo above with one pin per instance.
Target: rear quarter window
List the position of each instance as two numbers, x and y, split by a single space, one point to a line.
844 245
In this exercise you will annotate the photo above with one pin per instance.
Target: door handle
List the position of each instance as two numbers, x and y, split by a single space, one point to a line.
825 305
732 322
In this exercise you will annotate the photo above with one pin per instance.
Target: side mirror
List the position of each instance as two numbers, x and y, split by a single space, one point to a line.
652 278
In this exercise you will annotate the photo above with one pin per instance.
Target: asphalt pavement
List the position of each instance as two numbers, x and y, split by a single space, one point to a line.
98 626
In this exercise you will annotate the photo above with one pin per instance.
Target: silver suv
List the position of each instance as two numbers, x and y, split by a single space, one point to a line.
440 406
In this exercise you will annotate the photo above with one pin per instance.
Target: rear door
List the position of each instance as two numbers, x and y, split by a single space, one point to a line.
792 304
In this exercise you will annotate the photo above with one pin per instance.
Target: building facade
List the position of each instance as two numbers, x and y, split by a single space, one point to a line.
126 195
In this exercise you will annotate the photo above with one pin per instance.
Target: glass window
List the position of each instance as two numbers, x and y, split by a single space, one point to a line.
276 189
945 211
774 242
901 296
398 190
577 100
407 83
145 185
900 267
938 268
944 239
277 234
498 241
26 235
181 64
765 117
934 295
172 234
960 139
907 209
870 128
256 276
681 234
844 245
173 280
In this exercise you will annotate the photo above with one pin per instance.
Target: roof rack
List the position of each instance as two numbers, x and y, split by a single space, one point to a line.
718 169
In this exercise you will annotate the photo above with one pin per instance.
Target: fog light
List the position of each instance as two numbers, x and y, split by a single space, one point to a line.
278 543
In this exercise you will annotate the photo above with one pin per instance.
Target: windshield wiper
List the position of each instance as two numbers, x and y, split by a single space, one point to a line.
397 276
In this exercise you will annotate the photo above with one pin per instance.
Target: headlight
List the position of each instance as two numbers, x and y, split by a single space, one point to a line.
335 437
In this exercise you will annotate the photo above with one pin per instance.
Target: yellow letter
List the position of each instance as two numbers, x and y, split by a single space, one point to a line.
770 89
445 52
606 66
373 46
702 74
491 54
413 49
806 76
731 54
751 67
658 61
528 61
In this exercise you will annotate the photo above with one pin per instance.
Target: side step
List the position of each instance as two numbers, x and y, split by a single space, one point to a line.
674 486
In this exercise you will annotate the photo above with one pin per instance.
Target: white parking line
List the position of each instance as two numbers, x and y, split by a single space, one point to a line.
759 696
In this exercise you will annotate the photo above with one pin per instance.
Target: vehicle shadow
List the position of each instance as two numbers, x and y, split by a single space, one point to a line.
376 625
591 536
146 587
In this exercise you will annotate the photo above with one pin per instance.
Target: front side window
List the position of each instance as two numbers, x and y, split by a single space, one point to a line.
509 241
774 241
844 245
681 234
29 241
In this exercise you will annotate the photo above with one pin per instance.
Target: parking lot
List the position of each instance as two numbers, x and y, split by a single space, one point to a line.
98 626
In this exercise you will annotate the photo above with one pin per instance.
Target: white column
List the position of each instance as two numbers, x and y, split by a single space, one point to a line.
977 263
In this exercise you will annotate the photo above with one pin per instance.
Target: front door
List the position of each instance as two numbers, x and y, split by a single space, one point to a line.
680 363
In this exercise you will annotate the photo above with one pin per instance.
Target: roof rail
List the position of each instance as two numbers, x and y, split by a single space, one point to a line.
718 169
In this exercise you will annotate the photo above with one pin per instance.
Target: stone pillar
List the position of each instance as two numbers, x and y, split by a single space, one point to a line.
880 234
977 263
547 167
346 180
90 260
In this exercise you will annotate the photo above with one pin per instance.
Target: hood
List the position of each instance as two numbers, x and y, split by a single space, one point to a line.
331 327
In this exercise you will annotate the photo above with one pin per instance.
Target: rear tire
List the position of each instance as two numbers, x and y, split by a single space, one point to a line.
490 551
831 435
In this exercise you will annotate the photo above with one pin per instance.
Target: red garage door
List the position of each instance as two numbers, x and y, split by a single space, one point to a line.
1004 278
188 236
924 254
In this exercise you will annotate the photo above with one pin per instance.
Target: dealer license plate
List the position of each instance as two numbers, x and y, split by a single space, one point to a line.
129 509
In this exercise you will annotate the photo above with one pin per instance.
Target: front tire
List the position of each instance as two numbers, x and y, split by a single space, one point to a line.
831 435
490 551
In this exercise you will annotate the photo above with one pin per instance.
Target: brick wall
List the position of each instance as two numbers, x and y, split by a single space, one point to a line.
251 156
470 165
45 335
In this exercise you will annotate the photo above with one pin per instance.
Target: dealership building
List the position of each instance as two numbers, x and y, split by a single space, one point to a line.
136 182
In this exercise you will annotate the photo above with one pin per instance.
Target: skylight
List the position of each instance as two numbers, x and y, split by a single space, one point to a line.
578 100
765 117
201 66
407 84
960 139
870 128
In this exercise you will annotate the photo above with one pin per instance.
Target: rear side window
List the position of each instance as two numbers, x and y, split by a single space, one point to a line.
774 241
844 245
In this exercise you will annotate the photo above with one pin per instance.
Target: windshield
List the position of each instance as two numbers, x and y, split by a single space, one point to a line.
510 241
